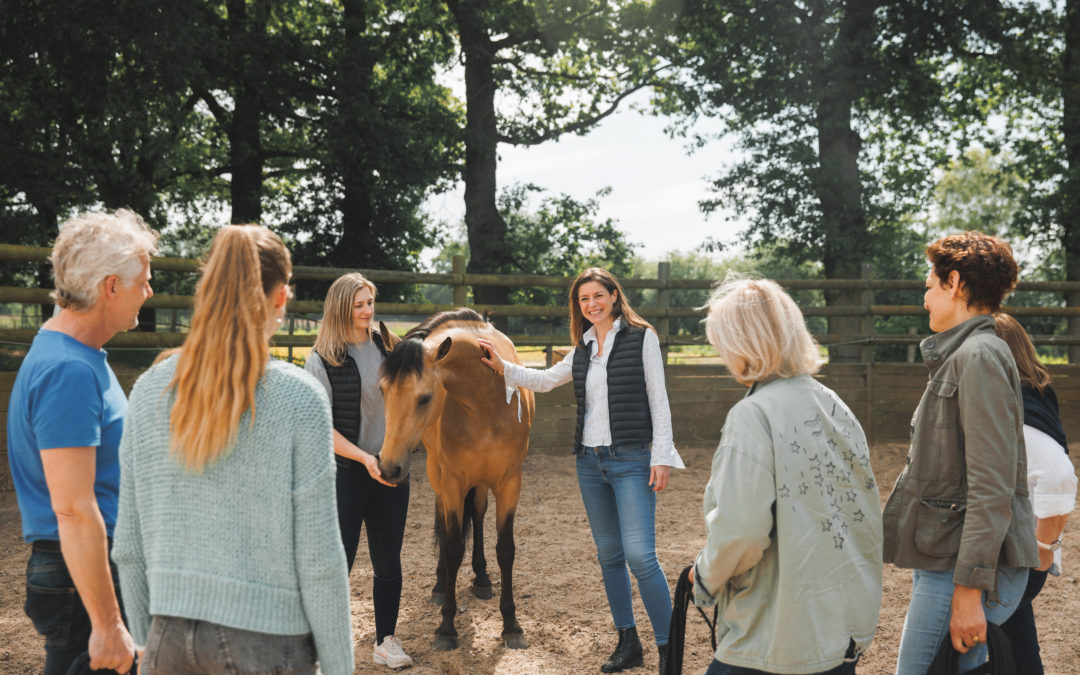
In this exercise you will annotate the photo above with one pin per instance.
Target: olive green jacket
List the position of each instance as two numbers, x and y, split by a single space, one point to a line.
962 503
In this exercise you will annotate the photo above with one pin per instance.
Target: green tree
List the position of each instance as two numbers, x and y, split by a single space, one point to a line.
839 107
558 236
559 66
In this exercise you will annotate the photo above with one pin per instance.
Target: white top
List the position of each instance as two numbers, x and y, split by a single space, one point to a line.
597 429
1051 480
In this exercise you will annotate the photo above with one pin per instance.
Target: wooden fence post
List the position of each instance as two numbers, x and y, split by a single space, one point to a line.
292 327
459 288
663 301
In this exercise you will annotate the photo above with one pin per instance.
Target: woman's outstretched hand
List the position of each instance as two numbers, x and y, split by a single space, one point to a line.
371 463
492 359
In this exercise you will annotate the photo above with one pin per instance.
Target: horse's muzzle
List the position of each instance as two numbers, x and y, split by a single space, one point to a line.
394 472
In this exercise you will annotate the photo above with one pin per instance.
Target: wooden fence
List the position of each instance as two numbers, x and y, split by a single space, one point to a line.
882 395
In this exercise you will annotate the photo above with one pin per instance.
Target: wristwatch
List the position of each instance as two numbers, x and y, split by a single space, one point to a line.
1050 547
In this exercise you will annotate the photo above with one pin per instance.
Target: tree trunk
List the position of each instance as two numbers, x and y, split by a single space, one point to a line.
838 184
245 143
1070 197
350 141
486 227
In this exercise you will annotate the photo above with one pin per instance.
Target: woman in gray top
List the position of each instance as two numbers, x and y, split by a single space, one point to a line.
346 358
793 553
959 515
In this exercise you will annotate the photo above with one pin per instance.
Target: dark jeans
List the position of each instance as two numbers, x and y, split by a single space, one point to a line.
1020 628
176 646
57 611
364 502
717 668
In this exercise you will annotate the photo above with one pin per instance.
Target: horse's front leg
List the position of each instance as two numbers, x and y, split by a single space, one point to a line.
438 593
451 551
506 500
481 586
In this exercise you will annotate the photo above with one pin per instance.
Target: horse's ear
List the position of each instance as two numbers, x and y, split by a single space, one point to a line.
390 338
444 348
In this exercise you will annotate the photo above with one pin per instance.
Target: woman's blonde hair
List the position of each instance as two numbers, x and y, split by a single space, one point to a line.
1032 371
620 308
225 353
755 325
337 329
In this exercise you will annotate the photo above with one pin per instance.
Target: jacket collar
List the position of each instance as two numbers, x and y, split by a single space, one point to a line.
936 349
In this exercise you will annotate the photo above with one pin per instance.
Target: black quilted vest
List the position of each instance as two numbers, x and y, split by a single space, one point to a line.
345 386
628 401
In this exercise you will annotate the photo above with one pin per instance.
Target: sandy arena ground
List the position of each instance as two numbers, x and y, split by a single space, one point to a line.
561 603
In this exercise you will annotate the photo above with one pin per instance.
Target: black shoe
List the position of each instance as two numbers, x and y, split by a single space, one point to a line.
627 653
662 652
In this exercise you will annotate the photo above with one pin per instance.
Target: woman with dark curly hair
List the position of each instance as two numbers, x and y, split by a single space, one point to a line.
959 515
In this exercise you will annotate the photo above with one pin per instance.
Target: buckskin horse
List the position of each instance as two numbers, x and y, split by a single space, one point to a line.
437 391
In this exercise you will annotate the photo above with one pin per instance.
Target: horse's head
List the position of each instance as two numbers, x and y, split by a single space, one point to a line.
414 394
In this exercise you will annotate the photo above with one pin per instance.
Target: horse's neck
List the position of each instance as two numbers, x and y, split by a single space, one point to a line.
473 388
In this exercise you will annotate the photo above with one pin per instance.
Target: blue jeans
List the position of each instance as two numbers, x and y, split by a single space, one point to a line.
188 647
57 611
621 508
927 621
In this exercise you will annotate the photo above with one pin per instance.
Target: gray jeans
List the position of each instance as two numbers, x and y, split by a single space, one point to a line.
177 645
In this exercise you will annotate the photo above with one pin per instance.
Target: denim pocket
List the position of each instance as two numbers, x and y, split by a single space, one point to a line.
50 598
630 453
253 652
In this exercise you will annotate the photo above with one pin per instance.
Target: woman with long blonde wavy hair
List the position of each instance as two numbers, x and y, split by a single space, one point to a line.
347 359
226 540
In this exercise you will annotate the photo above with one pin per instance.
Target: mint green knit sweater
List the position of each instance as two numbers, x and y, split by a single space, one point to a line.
252 542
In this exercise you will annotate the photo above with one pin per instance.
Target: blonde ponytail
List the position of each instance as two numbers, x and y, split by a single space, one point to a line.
226 351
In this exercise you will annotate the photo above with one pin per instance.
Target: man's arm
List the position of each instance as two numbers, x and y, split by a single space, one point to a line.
69 473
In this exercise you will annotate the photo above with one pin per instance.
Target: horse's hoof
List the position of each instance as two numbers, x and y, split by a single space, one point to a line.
483 592
445 643
515 641
438 598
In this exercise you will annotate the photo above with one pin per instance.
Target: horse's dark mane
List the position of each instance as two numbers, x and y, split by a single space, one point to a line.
429 324
407 358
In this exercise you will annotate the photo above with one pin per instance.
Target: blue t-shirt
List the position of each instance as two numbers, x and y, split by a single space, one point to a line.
65 396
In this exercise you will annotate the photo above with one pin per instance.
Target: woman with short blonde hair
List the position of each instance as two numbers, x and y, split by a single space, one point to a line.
791 504
226 539
759 331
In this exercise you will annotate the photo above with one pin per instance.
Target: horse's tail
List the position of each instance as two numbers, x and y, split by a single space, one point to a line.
468 515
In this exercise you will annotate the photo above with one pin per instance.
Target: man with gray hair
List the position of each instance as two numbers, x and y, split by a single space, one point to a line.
65 419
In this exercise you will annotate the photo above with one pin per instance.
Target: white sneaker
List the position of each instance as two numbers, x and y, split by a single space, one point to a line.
390 653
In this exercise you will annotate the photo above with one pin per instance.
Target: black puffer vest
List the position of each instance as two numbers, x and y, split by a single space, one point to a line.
628 401
345 386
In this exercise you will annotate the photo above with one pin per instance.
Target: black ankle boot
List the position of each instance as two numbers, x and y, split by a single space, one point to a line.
662 652
627 653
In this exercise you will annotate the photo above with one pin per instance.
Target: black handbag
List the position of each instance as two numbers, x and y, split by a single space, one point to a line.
947 659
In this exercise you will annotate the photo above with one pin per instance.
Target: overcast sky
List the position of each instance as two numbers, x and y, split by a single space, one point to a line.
656 185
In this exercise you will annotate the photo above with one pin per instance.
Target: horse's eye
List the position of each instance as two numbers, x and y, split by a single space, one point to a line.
423 400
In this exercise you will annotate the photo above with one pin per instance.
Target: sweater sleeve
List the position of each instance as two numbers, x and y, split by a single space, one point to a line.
127 549
320 558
